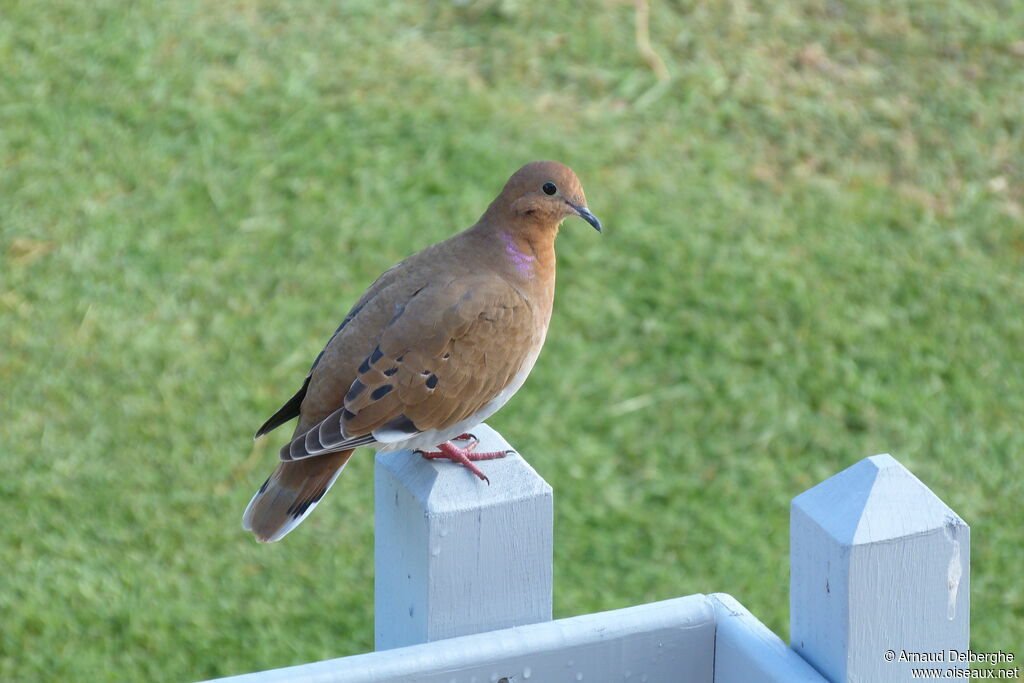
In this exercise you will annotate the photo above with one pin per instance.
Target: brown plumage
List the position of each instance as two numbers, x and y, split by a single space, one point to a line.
436 345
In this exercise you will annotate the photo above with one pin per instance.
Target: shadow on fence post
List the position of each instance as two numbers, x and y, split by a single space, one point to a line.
878 564
454 555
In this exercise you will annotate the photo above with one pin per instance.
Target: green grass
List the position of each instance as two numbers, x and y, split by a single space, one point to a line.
813 253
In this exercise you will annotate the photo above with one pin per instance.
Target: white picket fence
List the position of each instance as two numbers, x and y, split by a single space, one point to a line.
880 566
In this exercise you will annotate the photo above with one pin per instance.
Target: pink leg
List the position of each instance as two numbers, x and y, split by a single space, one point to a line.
464 456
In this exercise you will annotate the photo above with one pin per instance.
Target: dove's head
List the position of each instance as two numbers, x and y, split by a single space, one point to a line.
546 193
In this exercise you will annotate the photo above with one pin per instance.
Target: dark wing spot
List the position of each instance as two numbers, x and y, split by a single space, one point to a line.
390 371
381 391
431 381
425 373
446 356
347 414
354 391
400 358
365 367
376 355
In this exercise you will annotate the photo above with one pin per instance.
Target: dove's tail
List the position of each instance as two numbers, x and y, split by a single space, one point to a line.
291 493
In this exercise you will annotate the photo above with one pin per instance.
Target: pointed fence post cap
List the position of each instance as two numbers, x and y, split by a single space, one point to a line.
872 500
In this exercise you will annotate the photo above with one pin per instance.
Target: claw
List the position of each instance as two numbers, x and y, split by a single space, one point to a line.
467 437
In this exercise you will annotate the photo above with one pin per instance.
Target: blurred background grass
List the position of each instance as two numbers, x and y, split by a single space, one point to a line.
815 236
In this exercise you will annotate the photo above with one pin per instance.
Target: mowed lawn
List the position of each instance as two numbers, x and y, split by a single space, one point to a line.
814 252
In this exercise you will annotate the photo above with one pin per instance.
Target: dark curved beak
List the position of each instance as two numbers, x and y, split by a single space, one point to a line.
584 213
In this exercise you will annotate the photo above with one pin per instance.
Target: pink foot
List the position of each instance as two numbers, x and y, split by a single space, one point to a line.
464 456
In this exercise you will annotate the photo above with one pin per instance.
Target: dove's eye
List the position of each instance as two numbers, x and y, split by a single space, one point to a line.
549 188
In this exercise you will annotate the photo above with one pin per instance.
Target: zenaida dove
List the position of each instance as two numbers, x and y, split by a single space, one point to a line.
435 346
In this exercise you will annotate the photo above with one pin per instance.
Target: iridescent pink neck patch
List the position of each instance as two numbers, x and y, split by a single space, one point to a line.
522 262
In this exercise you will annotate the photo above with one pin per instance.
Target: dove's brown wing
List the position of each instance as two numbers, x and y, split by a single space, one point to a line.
447 352
293 406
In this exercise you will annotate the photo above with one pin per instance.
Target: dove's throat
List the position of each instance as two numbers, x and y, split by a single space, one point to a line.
524 260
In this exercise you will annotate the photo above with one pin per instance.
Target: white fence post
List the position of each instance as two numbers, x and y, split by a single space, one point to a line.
880 575
455 556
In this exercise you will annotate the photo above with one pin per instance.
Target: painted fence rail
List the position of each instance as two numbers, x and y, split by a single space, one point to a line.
464 584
